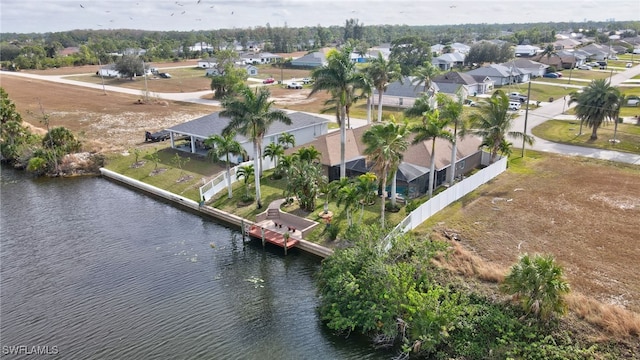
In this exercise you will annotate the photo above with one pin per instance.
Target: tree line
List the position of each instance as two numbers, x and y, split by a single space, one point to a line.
29 51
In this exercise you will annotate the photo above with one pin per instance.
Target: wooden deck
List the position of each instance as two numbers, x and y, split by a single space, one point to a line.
272 234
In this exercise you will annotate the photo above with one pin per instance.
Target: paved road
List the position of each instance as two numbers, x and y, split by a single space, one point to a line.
556 108
535 117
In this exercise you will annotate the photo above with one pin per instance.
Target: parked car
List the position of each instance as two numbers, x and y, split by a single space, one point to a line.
602 64
307 81
614 58
164 75
294 85
593 64
161 135
269 81
470 103
633 102
515 106
517 96
551 75
584 67
629 65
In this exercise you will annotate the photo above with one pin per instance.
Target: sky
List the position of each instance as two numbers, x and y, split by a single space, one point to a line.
41 16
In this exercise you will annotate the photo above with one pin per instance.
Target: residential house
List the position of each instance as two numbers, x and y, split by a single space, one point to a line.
259 58
359 58
534 68
598 52
526 50
449 61
403 94
566 44
413 173
500 74
108 71
207 63
305 128
456 47
313 60
251 70
470 84
202 47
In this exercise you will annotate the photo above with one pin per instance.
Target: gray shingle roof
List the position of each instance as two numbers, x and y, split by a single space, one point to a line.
213 124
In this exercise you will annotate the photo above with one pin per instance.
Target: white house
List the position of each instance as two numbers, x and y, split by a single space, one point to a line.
304 127
259 58
251 70
526 50
448 61
108 71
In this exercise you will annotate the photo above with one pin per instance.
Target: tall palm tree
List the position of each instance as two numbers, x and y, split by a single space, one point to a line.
224 145
539 284
550 51
383 72
432 128
308 154
348 196
340 78
420 107
492 122
251 115
423 75
452 112
385 145
596 103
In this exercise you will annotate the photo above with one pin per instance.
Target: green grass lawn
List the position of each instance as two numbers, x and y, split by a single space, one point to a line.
563 131
541 92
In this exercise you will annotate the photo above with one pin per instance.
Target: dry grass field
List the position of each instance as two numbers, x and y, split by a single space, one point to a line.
583 211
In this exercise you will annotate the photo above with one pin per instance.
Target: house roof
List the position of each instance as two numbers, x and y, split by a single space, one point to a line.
314 59
525 64
450 58
213 124
406 89
496 70
455 77
417 157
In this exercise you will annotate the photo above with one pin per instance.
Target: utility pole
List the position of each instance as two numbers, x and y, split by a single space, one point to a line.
526 116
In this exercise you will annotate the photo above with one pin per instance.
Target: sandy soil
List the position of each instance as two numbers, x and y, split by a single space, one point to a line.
587 215
111 122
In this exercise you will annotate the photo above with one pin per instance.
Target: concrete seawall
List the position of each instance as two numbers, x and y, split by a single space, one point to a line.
217 214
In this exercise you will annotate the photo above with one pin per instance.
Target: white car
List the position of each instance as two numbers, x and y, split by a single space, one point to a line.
584 67
294 85
629 65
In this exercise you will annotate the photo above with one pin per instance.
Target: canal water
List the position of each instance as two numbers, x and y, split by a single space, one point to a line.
94 270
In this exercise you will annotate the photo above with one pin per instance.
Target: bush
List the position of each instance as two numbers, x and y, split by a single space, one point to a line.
332 232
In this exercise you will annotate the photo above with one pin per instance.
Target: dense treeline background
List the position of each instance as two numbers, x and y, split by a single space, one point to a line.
95 46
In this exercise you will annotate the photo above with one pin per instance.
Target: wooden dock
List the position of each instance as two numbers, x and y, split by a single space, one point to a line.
269 232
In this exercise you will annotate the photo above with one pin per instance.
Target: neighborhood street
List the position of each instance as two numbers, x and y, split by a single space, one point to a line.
555 109
535 117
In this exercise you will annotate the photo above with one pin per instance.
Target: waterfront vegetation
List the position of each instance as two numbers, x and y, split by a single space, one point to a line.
402 300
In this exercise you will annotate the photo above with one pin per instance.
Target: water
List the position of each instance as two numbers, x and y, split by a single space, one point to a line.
94 270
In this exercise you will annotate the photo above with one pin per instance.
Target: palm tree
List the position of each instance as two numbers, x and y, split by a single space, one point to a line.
287 140
308 154
452 111
223 145
622 98
596 103
492 122
432 128
425 73
383 72
539 284
385 146
549 51
274 152
251 115
365 186
348 196
246 172
339 77
420 107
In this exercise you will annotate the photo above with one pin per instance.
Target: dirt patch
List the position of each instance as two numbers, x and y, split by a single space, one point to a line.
157 171
105 123
583 212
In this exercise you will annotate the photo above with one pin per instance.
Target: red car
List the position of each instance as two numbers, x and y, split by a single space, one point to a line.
268 81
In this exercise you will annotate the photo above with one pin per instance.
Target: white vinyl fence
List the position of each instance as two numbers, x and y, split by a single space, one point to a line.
443 199
219 182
